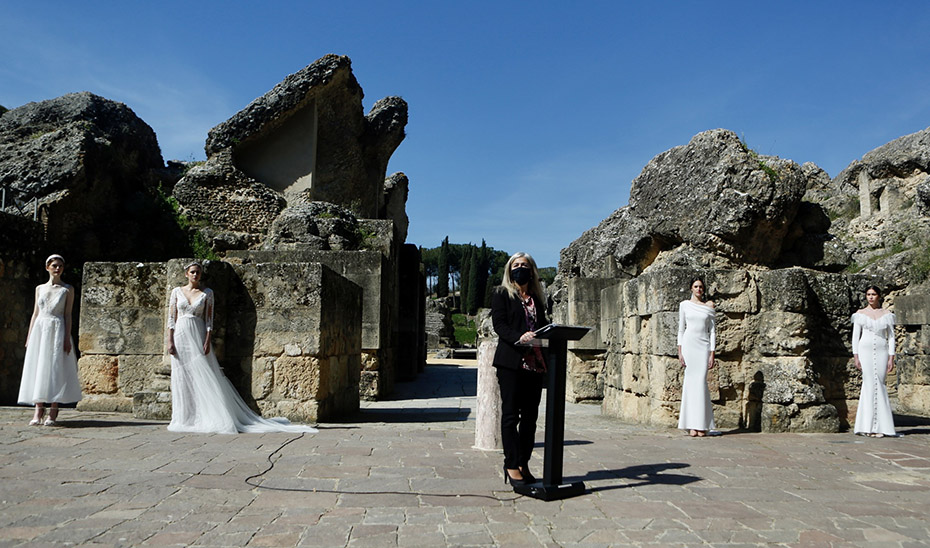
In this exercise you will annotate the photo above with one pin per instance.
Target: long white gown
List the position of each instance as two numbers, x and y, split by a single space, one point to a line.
202 398
873 341
697 338
49 374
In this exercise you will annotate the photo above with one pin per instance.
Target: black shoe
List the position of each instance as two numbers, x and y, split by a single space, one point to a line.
512 481
528 476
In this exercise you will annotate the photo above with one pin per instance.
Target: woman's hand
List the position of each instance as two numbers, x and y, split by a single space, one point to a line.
858 364
681 359
527 337
711 362
890 364
67 344
206 344
172 351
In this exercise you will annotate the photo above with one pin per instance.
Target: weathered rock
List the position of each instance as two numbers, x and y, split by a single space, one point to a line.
306 140
755 200
316 225
92 167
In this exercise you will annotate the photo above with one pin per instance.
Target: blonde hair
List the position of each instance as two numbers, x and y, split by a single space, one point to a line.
534 287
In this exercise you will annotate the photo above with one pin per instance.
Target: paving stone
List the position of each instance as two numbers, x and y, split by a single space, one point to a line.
386 480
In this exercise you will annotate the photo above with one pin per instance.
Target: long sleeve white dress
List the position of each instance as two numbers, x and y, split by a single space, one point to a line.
873 341
697 338
49 374
202 398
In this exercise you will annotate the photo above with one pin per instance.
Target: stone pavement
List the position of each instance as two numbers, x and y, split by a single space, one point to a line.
403 473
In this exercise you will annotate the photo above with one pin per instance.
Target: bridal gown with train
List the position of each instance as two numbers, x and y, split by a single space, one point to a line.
873 341
202 398
50 374
697 339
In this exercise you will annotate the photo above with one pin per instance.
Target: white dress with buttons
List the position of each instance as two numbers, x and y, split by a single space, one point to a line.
873 341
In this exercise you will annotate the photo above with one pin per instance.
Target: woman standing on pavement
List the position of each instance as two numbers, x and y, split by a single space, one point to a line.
696 345
518 308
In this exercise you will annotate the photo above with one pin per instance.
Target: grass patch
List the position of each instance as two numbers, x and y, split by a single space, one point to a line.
465 330
199 246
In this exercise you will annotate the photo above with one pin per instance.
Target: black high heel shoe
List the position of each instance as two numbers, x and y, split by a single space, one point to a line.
512 481
528 476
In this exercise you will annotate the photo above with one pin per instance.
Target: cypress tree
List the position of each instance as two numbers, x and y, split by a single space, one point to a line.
442 274
475 293
464 278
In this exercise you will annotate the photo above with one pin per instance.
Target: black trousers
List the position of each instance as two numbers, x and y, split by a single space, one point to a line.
521 391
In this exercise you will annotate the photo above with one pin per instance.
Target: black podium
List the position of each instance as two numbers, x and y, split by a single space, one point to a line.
551 486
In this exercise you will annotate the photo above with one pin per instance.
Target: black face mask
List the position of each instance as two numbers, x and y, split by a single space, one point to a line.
521 275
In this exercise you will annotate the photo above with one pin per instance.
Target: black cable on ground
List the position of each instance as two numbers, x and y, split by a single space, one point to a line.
299 490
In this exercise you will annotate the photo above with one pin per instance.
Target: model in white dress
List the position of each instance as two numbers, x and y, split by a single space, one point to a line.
202 398
873 351
50 373
696 345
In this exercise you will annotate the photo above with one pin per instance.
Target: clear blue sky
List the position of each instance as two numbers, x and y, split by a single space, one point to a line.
528 120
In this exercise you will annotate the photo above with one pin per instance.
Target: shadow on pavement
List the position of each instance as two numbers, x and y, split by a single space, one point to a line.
411 415
92 423
647 474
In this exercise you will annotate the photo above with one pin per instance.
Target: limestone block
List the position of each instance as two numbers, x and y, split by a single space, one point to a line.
632 326
306 411
912 309
276 329
662 334
665 377
790 380
634 374
612 314
262 376
796 418
105 402
488 404
98 374
585 375
782 333
914 399
136 372
152 405
831 293
662 290
728 282
584 308
663 414
783 290
728 415
733 333
300 378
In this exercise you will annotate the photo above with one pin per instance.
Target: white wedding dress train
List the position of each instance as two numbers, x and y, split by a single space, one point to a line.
202 398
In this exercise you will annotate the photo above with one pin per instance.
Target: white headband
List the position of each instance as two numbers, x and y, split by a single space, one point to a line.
54 256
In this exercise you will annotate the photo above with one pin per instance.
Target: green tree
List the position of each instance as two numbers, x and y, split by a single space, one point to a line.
442 281
475 291
464 279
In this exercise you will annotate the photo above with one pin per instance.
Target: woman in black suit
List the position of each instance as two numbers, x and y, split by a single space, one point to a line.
518 308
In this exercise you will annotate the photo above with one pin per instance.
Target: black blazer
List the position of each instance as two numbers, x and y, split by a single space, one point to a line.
509 324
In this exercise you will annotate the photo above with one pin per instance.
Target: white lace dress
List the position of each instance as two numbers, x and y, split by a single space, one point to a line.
873 341
49 374
697 338
202 398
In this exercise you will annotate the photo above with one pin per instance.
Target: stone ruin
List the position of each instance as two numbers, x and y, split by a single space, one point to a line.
294 199
786 253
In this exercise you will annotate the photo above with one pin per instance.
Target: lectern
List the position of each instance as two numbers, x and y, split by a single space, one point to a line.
551 486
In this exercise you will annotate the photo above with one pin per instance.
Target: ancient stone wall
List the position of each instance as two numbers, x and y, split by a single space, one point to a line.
784 361
21 256
912 313
288 336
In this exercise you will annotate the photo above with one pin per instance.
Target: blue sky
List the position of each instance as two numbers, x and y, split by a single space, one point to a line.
528 120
